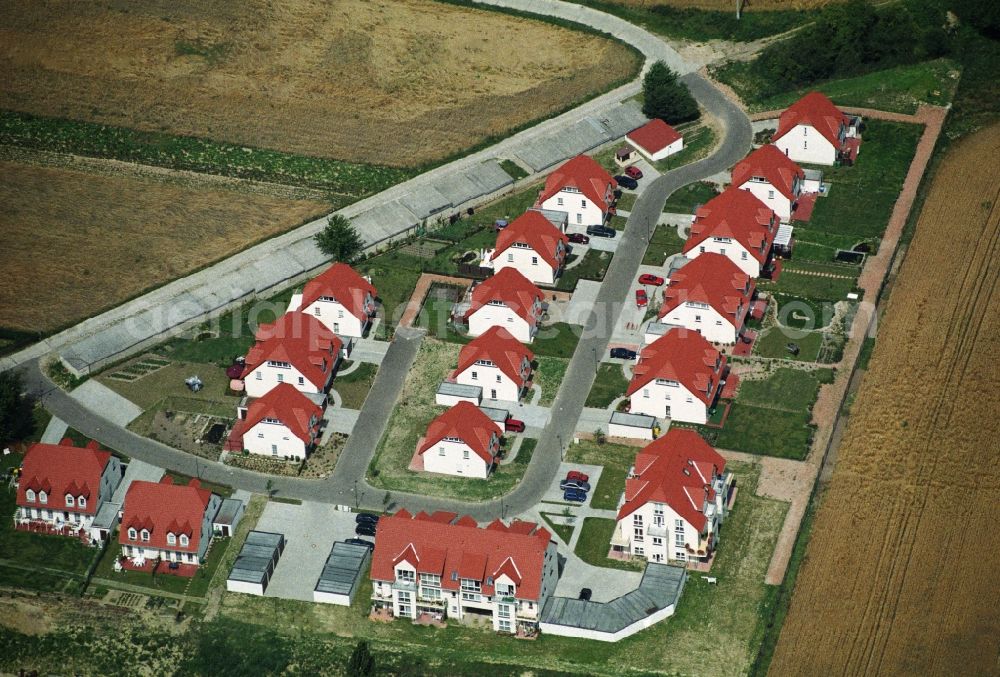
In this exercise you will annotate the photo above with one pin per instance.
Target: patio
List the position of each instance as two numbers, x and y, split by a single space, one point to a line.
804 207
159 567
41 527
742 348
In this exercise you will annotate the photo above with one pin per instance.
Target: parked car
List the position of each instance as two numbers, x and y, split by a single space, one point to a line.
499 224
641 299
577 475
364 529
362 542
578 238
366 518
648 278
575 496
565 485
627 182
512 425
601 231
586 594
633 172
623 354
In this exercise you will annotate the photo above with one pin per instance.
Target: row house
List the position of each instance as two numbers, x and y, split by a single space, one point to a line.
445 566
284 423
737 225
679 376
509 300
676 497
296 349
462 441
498 363
773 178
582 188
656 140
531 245
814 131
339 298
711 296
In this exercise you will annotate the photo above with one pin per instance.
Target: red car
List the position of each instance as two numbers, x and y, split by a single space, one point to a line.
633 172
641 299
578 476
578 238
512 425
647 278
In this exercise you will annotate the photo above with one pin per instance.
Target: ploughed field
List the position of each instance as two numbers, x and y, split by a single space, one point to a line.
900 574
386 82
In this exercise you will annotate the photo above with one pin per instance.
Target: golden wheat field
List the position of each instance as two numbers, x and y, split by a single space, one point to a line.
900 576
397 82
729 5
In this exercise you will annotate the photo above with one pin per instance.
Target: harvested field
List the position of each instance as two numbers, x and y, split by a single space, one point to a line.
916 471
398 82
76 243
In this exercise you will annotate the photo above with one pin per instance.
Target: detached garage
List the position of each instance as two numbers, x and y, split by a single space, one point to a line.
341 574
656 140
254 565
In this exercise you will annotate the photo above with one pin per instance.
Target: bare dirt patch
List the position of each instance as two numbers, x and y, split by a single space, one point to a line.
30 619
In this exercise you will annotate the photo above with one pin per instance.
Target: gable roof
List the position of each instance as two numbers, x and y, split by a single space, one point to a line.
299 339
468 423
586 175
677 470
161 508
288 405
510 287
536 231
345 285
736 214
498 346
817 111
60 469
713 279
683 356
771 164
653 136
461 549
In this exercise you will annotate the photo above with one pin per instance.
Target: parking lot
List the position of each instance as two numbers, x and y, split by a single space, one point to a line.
555 494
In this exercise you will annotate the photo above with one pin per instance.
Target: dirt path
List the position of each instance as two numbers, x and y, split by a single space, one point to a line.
424 284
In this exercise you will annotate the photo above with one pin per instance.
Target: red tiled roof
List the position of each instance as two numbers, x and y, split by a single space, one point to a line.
713 279
536 231
677 470
653 136
770 163
816 110
345 285
466 422
512 288
299 339
60 469
683 356
735 214
462 550
586 175
162 508
499 347
288 405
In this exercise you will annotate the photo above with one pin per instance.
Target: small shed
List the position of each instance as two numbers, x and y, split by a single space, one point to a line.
496 414
784 241
228 517
449 394
634 426
104 521
341 574
255 564
625 155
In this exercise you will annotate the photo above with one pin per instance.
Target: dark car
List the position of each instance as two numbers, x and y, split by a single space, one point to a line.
566 485
575 496
512 425
601 231
586 594
364 529
361 542
578 476
633 172
623 354
626 182
648 278
366 518
578 238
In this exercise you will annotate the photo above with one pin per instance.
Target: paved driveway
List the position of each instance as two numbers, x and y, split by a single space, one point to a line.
114 407
554 494
605 584
627 330
369 350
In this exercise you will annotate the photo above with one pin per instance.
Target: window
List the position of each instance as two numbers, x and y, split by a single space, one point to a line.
498 378
281 378
510 257
639 552
260 435
475 376
302 381
430 593
505 591
805 131
559 201
440 451
680 556
274 450
430 579
43 497
316 310
406 576
718 323
70 501
689 400
171 539
465 454
504 626
637 520
185 540
657 540
583 204
503 610
722 250
805 144
770 195
144 535
579 217
259 376
701 250
679 540
340 314
534 260
131 534
30 495
637 532
645 393
697 318
679 525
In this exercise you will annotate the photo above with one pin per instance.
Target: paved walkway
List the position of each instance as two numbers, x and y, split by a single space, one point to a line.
98 397
55 431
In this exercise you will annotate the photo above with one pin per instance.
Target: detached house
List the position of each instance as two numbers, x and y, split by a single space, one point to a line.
772 178
711 296
532 246
581 188
283 423
62 487
656 140
340 298
508 300
462 441
814 131
679 376
167 522
737 225
296 349
446 567
676 497
498 363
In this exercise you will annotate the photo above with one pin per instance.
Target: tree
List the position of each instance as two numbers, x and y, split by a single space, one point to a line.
16 421
666 97
362 663
339 239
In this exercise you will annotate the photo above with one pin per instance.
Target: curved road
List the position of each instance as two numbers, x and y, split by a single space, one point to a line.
347 485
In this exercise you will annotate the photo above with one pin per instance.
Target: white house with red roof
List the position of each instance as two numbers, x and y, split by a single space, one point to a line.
679 376
448 566
509 300
62 486
676 498
533 246
814 131
283 423
582 188
773 178
297 349
167 522
711 296
462 441
340 298
498 363
656 140
737 225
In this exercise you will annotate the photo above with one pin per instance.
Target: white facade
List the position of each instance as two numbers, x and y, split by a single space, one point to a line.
496 385
526 261
731 249
803 143
269 374
68 510
137 548
491 315
704 319
581 210
665 152
246 587
273 439
630 432
337 318
668 399
772 197
629 630
454 457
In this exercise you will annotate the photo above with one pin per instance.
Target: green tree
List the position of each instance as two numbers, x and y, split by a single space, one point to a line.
666 97
16 421
362 663
339 239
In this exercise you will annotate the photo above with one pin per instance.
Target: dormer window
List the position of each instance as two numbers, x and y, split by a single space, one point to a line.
405 576
70 501
43 497
132 535
171 539
144 535
184 540
81 502
30 495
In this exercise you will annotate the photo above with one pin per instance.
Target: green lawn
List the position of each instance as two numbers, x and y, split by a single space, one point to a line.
353 388
160 582
685 199
549 376
556 340
563 531
220 489
394 275
665 243
514 170
595 541
616 460
820 245
165 388
593 267
627 201
609 384
774 341
699 140
815 287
